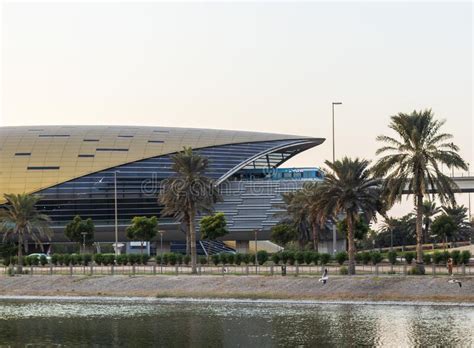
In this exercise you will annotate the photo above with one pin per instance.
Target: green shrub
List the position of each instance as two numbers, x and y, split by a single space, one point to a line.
98 258
427 258
465 257
246 258
202 260
144 259
74 260
262 257
308 257
223 258
158 259
7 261
86 259
291 257
437 257
315 256
299 257
446 256
215 259
172 259
376 257
325 258
108 259
133 259
392 257
238 259
122 259
166 258
187 259
252 259
415 271
67 259
366 257
358 257
341 257
230 258
284 257
54 259
276 258
343 270
34 260
61 259
409 256
456 256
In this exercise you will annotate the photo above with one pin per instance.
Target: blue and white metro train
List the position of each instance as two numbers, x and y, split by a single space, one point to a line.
309 173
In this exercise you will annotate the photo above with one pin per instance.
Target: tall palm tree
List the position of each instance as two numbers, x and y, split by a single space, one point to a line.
412 162
21 221
388 225
316 216
429 211
459 214
350 189
296 214
189 192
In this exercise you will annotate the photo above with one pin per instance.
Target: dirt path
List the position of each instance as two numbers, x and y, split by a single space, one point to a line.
364 288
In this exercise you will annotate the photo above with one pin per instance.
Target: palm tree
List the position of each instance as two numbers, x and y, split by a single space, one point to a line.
296 214
388 225
350 189
429 211
459 214
188 193
316 216
412 163
21 221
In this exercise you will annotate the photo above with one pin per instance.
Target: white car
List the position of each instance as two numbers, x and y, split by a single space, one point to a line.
38 255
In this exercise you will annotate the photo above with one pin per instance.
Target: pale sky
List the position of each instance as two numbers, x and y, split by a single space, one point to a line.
270 67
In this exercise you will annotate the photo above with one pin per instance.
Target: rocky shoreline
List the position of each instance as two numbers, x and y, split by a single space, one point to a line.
339 288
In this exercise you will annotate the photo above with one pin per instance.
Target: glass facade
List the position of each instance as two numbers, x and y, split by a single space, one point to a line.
93 195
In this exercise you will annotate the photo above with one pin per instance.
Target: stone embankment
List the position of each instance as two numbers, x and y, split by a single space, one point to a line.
358 288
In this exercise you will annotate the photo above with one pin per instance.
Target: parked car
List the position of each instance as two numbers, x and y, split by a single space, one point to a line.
38 255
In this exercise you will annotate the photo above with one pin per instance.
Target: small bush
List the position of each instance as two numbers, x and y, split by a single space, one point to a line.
392 257
343 270
246 258
427 258
366 257
308 257
325 258
165 258
284 257
187 259
223 258
409 256
251 258
98 258
61 259
215 259
437 257
202 260
465 257
34 260
179 258
74 260
122 259
341 257
276 258
238 259
456 256
67 259
299 257
172 259
446 256
86 259
415 271
144 259
291 257
108 259
262 257
315 256
376 257
230 258
54 259
358 257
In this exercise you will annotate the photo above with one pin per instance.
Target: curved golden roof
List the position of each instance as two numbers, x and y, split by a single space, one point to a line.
36 157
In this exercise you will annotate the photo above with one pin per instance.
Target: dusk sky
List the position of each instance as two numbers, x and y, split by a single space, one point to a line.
270 67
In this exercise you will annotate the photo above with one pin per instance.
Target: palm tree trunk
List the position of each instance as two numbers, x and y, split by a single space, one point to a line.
350 237
192 233
315 236
419 234
188 238
20 254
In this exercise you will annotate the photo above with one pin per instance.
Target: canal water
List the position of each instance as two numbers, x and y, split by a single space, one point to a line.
99 322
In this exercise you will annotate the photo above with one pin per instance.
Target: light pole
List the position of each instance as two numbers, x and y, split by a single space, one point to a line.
84 234
161 250
256 251
334 241
469 194
116 215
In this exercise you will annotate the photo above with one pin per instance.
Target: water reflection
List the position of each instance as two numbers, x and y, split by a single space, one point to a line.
228 324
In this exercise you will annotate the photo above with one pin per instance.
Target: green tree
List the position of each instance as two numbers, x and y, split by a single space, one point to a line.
142 229
21 221
188 192
283 233
212 227
444 227
413 162
430 210
350 189
459 215
297 215
75 229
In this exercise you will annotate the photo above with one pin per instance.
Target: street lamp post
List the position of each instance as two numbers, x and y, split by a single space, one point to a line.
256 251
161 250
84 234
334 236
116 215
469 194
